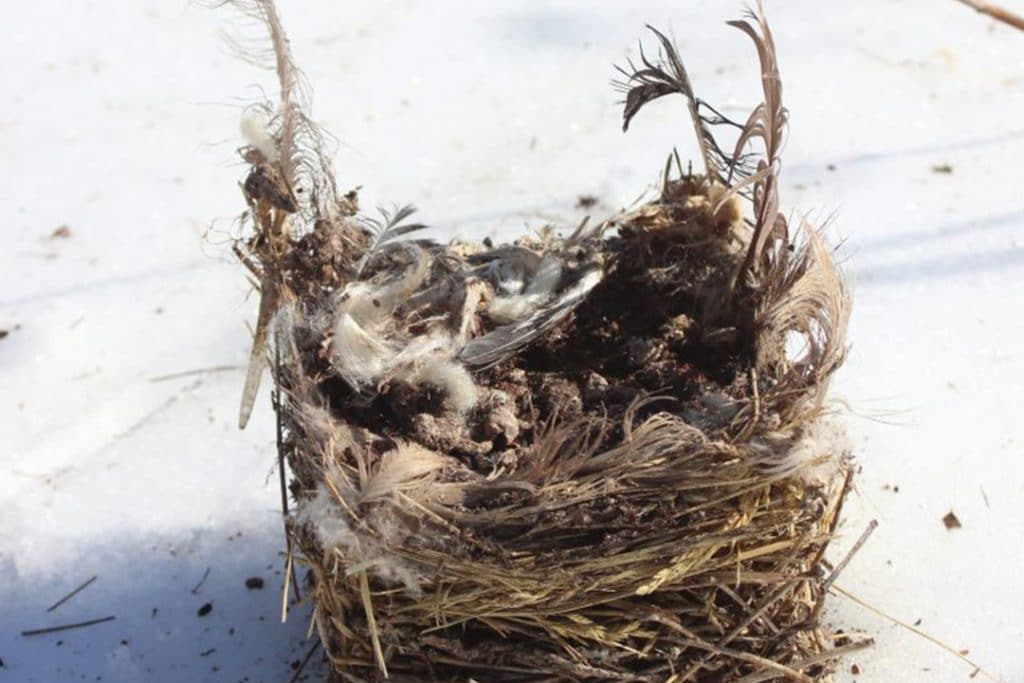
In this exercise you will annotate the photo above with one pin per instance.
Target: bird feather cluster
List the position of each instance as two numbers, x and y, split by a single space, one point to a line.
585 457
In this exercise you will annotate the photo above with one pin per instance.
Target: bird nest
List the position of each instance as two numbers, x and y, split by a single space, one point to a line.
601 456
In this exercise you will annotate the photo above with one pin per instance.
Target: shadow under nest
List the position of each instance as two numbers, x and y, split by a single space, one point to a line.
586 458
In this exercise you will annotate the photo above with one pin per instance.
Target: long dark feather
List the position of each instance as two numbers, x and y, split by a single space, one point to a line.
767 125
666 76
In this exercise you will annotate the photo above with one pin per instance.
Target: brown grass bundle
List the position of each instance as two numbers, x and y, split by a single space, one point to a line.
598 457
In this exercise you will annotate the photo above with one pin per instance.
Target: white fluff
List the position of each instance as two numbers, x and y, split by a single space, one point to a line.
333 530
453 379
360 357
255 127
820 451
542 286
507 309
372 302
360 354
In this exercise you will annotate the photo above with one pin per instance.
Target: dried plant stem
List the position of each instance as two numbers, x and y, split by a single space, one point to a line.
281 462
67 627
304 662
916 631
284 592
202 580
849 556
996 12
371 622
197 371
72 594
767 674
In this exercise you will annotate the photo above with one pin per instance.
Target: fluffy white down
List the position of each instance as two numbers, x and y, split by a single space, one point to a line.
363 358
542 286
360 357
507 309
360 353
333 531
255 126
451 378
820 451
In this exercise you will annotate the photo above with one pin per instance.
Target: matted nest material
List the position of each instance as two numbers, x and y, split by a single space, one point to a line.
599 457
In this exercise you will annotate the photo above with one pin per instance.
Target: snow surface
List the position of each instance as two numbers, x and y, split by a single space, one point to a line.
121 119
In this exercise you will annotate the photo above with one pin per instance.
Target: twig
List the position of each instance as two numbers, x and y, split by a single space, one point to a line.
849 556
197 371
195 589
766 674
771 599
371 622
304 662
71 595
66 627
916 631
996 12
281 462
284 593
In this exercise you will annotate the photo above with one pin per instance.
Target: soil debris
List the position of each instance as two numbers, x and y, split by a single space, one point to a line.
951 521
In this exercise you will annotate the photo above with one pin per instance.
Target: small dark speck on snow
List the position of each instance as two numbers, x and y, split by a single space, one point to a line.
205 609
951 521
254 583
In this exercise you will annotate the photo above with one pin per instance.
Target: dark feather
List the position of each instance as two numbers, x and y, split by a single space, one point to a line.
665 76
766 127
504 341
386 230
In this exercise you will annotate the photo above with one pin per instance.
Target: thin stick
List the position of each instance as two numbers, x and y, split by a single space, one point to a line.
765 674
284 593
997 13
195 589
304 662
788 671
914 630
283 480
371 622
71 594
770 600
66 627
197 371
849 556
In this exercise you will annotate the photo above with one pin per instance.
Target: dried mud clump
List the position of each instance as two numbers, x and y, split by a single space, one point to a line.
594 457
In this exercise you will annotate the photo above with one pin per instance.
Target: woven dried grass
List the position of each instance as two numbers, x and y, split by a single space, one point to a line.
601 457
